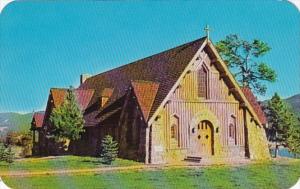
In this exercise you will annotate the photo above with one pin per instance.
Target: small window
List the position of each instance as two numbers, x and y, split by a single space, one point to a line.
232 130
203 82
174 129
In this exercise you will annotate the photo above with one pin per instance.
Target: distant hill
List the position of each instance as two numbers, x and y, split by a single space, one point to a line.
15 122
294 102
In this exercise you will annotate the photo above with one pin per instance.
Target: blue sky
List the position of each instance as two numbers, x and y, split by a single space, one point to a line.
49 44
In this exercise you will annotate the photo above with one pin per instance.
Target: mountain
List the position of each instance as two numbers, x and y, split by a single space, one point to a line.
294 102
15 121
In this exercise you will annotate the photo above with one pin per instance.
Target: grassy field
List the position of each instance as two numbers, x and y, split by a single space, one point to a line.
279 174
60 162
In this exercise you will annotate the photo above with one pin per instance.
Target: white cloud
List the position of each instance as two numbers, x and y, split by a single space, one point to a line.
3 3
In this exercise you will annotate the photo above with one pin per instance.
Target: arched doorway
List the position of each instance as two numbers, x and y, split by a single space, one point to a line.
204 138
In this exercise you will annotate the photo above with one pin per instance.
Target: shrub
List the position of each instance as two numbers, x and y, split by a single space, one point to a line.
109 150
9 155
6 154
26 144
2 152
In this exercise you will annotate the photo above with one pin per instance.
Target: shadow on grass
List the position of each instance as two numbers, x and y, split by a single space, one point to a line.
97 162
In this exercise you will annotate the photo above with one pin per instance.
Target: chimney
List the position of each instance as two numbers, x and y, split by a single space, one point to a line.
84 77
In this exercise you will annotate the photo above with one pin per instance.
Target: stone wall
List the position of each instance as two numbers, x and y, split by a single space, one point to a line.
258 144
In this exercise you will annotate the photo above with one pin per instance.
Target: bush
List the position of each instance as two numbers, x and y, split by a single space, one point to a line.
6 154
2 152
9 155
26 144
109 150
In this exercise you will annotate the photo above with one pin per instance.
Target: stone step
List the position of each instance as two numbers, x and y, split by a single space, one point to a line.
193 159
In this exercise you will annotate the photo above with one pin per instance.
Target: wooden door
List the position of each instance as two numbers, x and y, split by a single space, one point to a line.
205 138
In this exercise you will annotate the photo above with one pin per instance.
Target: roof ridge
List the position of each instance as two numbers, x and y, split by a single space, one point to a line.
153 55
56 88
144 81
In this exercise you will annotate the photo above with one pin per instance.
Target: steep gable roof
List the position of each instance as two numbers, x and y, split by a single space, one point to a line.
58 96
83 97
254 103
37 119
231 82
145 93
163 68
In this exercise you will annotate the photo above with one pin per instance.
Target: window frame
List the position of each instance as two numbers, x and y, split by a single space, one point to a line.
232 129
176 130
203 69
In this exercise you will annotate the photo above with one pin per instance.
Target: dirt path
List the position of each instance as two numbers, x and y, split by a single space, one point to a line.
203 164
111 169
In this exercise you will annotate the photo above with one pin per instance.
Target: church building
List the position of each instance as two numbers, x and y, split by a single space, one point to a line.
176 105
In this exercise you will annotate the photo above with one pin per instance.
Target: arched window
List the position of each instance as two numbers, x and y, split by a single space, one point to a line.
232 130
174 131
203 82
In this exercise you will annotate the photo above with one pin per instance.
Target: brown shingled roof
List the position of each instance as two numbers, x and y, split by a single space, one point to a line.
83 97
37 119
107 92
254 103
163 68
145 93
58 96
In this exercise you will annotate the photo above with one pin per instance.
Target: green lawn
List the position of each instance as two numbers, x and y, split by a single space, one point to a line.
272 175
60 162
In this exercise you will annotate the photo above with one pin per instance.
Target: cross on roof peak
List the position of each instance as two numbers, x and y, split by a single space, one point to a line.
207 30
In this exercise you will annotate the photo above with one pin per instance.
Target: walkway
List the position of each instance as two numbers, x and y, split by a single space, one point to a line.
203 163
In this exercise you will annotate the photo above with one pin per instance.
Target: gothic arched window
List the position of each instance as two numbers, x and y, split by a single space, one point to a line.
174 130
232 130
203 82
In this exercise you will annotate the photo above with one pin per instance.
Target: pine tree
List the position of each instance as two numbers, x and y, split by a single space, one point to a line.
293 140
242 57
67 119
9 155
283 125
109 150
2 152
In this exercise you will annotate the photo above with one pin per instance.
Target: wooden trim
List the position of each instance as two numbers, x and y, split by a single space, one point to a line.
202 100
177 82
233 81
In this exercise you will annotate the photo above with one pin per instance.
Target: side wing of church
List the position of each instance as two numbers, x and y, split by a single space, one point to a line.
178 104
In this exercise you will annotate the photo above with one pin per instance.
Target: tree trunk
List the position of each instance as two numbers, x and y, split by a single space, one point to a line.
276 150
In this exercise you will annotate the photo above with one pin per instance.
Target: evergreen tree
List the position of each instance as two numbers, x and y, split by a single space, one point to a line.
283 124
109 150
67 119
293 140
242 58
9 155
2 152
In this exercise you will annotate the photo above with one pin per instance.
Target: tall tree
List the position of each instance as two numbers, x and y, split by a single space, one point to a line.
283 124
293 140
242 57
67 119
